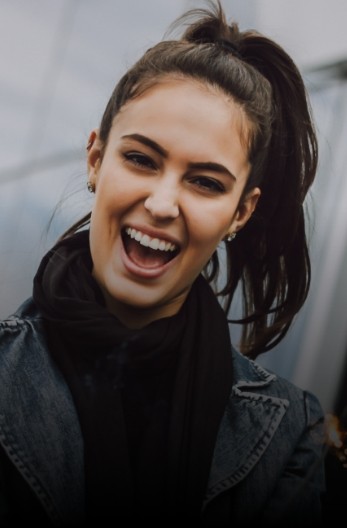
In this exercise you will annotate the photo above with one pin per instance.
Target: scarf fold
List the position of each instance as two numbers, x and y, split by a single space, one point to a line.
149 401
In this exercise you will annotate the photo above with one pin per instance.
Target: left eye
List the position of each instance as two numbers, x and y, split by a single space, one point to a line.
139 160
208 184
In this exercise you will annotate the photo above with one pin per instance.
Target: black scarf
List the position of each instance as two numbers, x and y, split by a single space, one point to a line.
149 401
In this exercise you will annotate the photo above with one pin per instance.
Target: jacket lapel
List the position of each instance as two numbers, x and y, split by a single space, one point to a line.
248 425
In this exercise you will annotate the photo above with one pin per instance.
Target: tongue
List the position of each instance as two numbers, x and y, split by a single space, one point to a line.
145 256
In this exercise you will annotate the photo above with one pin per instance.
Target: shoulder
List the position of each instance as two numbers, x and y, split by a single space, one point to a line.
254 381
21 331
27 370
26 315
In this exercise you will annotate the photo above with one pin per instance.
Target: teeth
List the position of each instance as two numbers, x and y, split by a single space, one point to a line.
154 243
147 241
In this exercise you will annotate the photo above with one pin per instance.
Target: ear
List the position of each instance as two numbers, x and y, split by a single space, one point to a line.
245 210
94 155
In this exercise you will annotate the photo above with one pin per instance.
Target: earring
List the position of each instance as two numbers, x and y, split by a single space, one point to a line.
91 187
230 237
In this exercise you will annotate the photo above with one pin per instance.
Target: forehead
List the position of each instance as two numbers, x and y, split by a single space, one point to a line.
174 92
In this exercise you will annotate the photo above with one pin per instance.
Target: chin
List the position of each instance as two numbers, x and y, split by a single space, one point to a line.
131 296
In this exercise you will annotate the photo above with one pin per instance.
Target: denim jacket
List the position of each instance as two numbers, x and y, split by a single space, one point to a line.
267 463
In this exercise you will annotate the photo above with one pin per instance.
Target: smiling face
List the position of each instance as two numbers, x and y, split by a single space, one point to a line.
168 188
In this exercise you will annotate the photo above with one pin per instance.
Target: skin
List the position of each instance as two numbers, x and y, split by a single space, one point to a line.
168 191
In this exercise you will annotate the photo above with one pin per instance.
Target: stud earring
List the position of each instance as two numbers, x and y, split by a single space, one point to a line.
230 237
91 187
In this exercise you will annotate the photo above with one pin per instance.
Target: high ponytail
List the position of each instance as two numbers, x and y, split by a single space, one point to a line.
273 258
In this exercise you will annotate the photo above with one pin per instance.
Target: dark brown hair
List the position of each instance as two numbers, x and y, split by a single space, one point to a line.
269 259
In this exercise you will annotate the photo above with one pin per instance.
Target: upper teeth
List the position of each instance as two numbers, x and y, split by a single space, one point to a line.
147 241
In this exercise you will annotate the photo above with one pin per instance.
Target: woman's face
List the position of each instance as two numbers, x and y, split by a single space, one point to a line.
167 190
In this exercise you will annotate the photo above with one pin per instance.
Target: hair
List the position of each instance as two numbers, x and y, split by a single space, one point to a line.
269 259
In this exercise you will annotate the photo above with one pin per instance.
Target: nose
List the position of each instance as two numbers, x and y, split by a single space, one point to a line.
162 202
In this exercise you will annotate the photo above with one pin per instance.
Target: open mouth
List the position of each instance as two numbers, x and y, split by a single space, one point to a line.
148 252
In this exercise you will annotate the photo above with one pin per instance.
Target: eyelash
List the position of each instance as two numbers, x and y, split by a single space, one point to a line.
139 160
205 183
209 184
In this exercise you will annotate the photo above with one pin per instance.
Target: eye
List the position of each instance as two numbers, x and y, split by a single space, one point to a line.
139 160
208 184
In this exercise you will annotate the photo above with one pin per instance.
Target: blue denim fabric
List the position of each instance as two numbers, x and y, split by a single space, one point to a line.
267 462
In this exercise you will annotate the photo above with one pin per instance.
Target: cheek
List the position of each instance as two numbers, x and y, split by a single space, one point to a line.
111 197
209 229
117 190
103 225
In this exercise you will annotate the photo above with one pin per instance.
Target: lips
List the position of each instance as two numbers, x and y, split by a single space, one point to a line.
147 252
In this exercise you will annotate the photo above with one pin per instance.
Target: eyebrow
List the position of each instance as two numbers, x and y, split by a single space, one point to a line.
212 166
207 165
149 142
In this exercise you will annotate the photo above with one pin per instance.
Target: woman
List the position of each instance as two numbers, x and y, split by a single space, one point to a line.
122 395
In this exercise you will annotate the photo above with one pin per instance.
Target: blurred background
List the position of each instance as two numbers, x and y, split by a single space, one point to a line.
59 63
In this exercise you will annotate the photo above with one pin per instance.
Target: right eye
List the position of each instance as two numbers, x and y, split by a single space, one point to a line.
139 160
